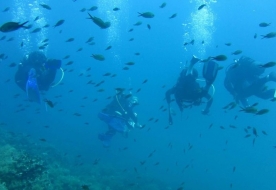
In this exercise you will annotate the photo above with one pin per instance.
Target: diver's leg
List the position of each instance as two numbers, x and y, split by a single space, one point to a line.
193 61
107 136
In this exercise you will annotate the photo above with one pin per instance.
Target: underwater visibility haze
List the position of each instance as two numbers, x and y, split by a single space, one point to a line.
49 138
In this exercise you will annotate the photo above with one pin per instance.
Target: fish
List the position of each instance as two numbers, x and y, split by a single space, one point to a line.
129 63
145 81
98 57
262 111
137 53
228 44
131 39
49 103
85 187
70 40
163 5
219 58
80 49
249 109
201 6
99 22
125 68
264 24
237 52
83 9
146 14
66 57
254 130
46 26
149 27
90 39
45 6
269 35
108 48
246 136
116 9
130 30
234 169
12 26
36 30
43 140
267 65
36 18
93 8
255 36
60 22
138 23
6 9
173 16
69 63
264 132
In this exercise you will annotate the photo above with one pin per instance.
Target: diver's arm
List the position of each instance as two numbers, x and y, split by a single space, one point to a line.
229 86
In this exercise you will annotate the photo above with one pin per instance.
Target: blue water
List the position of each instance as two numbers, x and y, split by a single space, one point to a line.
213 152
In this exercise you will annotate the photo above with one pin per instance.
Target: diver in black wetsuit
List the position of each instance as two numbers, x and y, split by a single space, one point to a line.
36 73
243 79
188 90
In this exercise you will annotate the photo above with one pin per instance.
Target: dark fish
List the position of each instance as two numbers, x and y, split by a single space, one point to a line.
125 68
262 111
36 18
234 169
228 44
129 63
264 132
144 81
246 136
130 30
80 49
69 63
264 24
106 74
60 22
254 130
46 26
173 16
269 35
45 6
12 26
163 5
89 40
85 187
201 6
108 48
99 22
93 8
70 40
219 58
43 140
237 52
12 64
116 9
267 65
36 30
149 27
255 36
6 9
98 57
137 53
66 57
49 102
138 23
10 39
131 39
83 9
146 14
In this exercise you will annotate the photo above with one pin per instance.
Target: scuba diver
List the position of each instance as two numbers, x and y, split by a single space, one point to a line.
119 117
243 79
188 90
36 73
